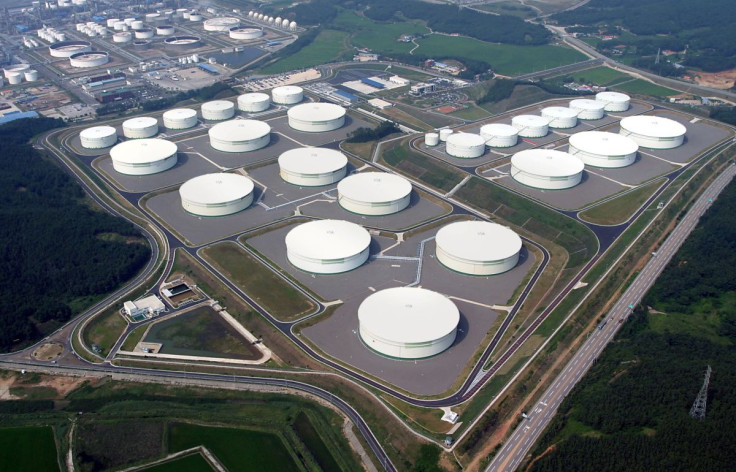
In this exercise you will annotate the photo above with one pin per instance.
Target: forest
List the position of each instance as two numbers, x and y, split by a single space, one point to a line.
56 251
705 28
631 411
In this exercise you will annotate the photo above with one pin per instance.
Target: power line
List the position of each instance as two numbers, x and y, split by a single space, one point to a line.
698 409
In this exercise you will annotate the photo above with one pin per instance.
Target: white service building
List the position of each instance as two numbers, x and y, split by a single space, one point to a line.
140 127
408 322
98 137
374 193
614 101
653 132
602 149
180 118
477 247
217 194
312 166
240 135
287 95
218 110
499 135
531 126
328 246
560 117
144 156
316 117
588 109
254 102
465 145
148 306
546 169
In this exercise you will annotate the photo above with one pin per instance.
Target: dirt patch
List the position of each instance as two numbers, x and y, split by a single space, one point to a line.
5 384
721 80
48 351
62 385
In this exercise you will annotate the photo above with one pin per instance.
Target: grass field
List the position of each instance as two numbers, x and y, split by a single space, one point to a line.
237 449
599 75
380 37
192 463
272 292
505 59
509 8
429 171
30 448
642 87
306 430
104 330
326 47
619 209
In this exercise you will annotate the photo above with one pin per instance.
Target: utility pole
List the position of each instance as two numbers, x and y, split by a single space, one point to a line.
698 409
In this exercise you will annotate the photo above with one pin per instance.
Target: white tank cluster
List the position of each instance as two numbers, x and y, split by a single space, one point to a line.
316 117
431 139
245 33
312 166
217 194
531 126
140 127
560 117
69 48
254 102
328 246
588 109
287 95
31 75
218 110
240 135
614 101
144 33
51 35
180 118
18 69
546 169
465 145
602 149
653 132
224 23
374 193
89 59
499 135
478 247
144 156
98 137
277 22
408 322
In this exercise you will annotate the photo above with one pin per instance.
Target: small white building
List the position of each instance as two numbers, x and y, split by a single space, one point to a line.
395 79
149 306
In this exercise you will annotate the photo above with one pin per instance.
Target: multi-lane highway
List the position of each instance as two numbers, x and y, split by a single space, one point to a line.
538 417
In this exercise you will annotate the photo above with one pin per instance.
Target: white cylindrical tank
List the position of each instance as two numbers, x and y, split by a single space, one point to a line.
111 22
653 132
143 156
477 247
374 193
165 30
531 126
118 26
560 117
129 21
614 101
254 102
98 137
588 109
221 24
316 117
123 37
408 322
218 110
245 33
499 135
431 139
195 17
140 127
15 69
89 59
602 149
546 169
328 246
285 24
144 33
69 48
240 135
312 166
14 78
31 75
137 24
287 95
465 145
444 134
292 26
180 118
216 194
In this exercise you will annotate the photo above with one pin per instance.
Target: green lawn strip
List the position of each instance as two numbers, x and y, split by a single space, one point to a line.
471 113
327 47
377 36
620 209
433 173
134 338
237 449
272 292
28 449
105 329
599 75
190 463
309 434
642 87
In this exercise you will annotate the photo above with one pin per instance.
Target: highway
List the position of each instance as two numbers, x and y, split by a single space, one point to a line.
526 434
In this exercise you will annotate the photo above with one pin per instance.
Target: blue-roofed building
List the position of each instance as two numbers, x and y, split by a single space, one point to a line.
21 28
16 115
372 83
208 68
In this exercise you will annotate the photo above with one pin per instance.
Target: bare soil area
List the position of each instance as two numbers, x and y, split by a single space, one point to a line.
721 80
48 351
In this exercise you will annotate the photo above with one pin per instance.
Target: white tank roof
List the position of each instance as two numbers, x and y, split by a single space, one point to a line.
216 188
312 160
314 112
612 97
218 105
97 132
653 126
547 162
254 97
374 187
587 104
140 122
328 239
466 139
288 90
142 151
559 112
408 315
498 129
530 120
239 130
179 114
603 143
478 241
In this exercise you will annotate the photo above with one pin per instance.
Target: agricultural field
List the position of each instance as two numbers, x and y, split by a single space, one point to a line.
191 463
99 447
28 448
327 47
642 87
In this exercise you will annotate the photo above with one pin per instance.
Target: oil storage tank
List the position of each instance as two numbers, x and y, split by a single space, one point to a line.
531 126
316 117
499 135
465 145
180 118
477 247
328 246
546 169
287 95
588 109
312 166
98 137
240 135
408 322
217 194
614 101
654 132
218 110
140 127
560 117
374 193
254 102
602 149
144 156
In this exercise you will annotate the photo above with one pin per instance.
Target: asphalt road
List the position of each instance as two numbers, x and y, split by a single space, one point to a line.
526 434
